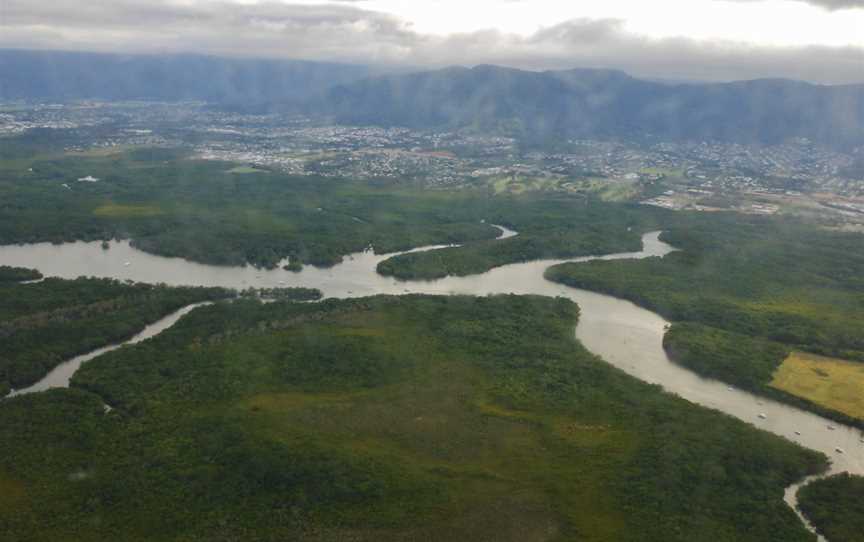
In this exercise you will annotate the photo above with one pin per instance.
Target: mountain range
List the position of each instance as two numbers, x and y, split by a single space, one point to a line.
603 103
531 105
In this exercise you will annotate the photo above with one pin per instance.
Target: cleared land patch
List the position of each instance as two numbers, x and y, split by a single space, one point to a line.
114 210
833 383
245 170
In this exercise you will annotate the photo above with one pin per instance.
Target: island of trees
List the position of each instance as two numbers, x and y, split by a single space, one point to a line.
385 418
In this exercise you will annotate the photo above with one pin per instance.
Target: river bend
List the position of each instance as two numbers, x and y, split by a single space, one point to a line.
627 336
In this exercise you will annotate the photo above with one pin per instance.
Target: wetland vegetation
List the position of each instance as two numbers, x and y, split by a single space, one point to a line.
213 212
46 323
17 274
743 293
385 418
836 507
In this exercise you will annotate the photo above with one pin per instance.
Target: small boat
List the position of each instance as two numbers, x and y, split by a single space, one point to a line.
730 388
798 433
839 450
830 427
763 416
127 264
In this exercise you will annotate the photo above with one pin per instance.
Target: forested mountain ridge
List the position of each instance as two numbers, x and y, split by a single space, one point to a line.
603 103
533 106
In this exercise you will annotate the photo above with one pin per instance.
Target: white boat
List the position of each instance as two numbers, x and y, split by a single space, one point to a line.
798 433
127 264
830 427
763 416
839 450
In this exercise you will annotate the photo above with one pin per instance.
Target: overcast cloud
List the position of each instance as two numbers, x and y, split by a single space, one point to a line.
837 4
345 32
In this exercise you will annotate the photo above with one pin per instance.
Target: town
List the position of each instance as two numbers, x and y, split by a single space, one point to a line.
797 176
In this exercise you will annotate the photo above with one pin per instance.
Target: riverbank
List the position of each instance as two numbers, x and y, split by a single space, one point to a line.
384 418
621 333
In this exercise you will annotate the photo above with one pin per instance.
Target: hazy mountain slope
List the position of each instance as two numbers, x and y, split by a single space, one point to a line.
65 75
532 105
594 103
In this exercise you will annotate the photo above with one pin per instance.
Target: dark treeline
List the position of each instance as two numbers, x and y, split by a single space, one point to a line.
835 506
385 418
746 361
201 212
799 286
18 274
549 227
284 294
748 290
46 323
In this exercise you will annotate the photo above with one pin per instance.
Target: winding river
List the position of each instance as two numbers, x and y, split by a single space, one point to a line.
627 336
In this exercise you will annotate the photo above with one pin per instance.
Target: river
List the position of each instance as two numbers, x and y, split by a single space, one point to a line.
627 336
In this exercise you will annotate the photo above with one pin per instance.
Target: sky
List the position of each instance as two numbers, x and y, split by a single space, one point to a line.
820 41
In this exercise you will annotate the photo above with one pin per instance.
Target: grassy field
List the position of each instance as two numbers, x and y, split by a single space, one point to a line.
675 173
246 170
412 419
113 210
832 383
742 293
519 184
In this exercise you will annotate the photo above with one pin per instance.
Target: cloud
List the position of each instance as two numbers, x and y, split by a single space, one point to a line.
836 4
831 5
343 32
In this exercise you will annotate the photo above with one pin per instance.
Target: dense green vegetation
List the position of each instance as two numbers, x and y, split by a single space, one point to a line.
46 323
835 506
200 210
284 294
388 418
747 361
548 228
749 289
17 274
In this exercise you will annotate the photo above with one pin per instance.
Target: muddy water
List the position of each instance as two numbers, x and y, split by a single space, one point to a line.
60 376
629 337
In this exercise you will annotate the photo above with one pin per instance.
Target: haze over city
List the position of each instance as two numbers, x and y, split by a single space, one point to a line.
431 270
816 40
